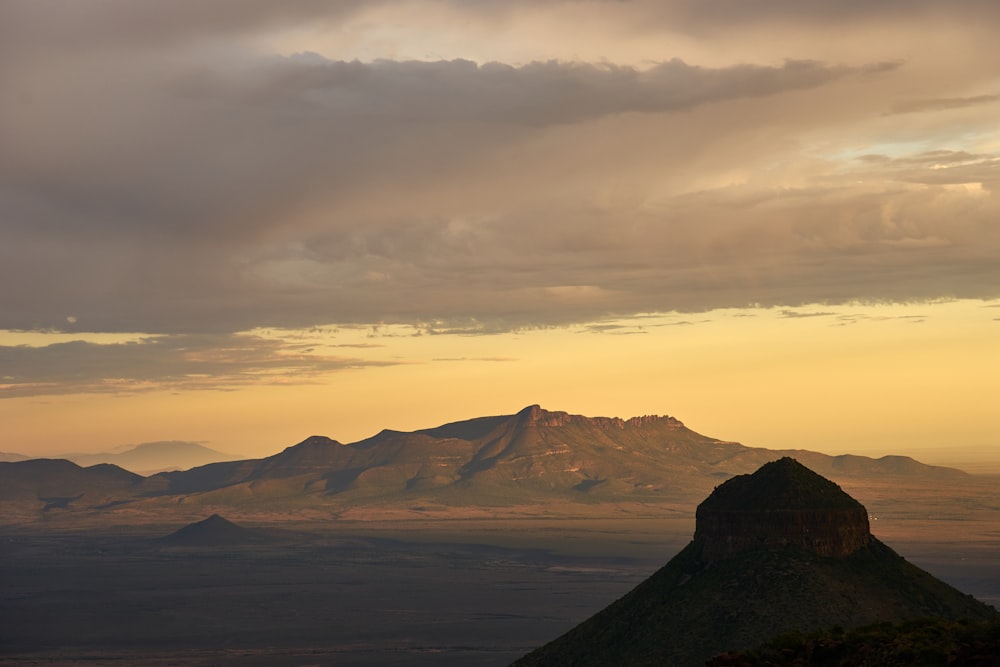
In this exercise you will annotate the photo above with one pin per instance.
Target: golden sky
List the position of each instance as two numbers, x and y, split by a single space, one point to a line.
245 222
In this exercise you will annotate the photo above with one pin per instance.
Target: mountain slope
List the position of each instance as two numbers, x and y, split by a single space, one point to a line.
46 484
530 455
724 591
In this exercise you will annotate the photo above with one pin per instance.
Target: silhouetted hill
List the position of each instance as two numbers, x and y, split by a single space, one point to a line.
213 532
151 457
782 550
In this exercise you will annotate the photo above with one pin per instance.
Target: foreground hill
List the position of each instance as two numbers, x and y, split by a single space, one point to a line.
783 550
534 458
926 641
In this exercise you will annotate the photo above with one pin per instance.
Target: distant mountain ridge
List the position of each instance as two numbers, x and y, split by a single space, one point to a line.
153 457
532 458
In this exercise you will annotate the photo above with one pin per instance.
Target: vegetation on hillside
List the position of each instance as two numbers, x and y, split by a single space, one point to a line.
927 641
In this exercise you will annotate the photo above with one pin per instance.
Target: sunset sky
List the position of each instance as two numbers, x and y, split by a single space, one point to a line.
243 222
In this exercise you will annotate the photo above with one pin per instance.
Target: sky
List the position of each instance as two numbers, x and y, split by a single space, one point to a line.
243 222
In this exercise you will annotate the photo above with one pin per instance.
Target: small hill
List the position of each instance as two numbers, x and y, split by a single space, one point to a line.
215 531
152 457
782 550
59 484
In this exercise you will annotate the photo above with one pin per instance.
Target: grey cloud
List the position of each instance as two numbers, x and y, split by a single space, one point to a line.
702 16
153 156
163 197
39 25
161 362
915 106
798 314
167 179
539 93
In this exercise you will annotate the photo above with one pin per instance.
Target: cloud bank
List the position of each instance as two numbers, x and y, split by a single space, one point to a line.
165 171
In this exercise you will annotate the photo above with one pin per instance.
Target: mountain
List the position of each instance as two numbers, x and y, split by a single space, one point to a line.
11 456
780 551
214 531
534 460
534 454
47 484
152 457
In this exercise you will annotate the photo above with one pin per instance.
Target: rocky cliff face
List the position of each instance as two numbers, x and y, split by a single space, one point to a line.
782 504
835 533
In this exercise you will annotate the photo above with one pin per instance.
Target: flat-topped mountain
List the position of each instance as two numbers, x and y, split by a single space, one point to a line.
782 504
530 458
782 550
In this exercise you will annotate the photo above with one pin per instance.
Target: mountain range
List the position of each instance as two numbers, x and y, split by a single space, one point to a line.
146 458
154 457
497 462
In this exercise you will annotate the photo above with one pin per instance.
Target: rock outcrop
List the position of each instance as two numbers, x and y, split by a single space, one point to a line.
782 504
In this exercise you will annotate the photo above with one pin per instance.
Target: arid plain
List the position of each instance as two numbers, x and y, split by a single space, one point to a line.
444 590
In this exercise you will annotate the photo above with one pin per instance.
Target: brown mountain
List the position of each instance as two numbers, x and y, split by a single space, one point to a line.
528 458
48 484
782 550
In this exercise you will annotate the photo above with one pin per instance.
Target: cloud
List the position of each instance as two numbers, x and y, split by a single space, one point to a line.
915 106
798 314
196 362
165 171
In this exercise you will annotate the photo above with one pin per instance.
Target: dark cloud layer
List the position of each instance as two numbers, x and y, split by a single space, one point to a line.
161 174
164 362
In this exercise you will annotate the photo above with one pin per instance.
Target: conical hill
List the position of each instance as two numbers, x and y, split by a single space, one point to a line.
212 532
782 550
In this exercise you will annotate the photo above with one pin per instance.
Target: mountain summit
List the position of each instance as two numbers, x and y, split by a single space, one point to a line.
782 550
784 503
